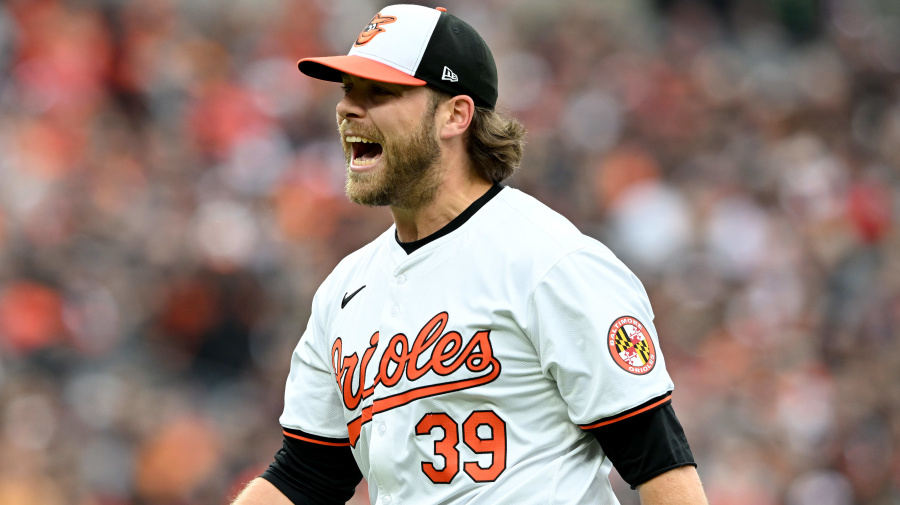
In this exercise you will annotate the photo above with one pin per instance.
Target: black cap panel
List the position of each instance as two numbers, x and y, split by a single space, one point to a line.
456 51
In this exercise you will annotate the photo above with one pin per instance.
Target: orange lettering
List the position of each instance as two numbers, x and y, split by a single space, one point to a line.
392 355
349 368
445 355
430 333
478 361
447 347
367 356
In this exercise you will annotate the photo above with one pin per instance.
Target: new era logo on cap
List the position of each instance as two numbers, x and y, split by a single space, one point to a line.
449 75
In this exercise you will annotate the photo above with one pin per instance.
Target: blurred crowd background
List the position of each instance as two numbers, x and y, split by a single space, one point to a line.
171 195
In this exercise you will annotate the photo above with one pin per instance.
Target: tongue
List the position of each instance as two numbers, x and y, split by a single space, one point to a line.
373 152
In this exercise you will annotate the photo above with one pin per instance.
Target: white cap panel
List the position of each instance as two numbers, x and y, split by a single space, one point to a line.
403 40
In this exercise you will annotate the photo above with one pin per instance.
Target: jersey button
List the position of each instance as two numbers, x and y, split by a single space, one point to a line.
395 310
401 279
382 428
386 500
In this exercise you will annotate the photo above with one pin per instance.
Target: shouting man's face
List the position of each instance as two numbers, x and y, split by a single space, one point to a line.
390 142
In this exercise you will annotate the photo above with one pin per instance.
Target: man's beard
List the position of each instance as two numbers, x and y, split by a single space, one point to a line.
409 175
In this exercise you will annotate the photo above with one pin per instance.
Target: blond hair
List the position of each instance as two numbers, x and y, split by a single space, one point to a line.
495 141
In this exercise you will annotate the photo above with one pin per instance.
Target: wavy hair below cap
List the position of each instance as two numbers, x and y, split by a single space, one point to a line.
495 141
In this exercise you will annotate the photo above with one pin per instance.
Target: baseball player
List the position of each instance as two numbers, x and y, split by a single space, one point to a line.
482 350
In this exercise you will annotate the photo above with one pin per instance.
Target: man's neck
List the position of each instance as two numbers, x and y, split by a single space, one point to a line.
453 197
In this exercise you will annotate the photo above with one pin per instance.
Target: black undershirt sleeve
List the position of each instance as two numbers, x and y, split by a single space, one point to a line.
312 473
646 444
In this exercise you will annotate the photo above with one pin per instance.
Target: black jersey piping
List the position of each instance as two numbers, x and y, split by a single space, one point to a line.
453 225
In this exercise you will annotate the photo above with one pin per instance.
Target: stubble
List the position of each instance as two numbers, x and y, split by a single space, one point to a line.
409 175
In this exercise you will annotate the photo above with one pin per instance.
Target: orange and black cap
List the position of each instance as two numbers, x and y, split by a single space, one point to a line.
415 45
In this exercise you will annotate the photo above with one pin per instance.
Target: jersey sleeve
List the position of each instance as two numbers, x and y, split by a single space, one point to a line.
591 323
310 472
311 400
645 445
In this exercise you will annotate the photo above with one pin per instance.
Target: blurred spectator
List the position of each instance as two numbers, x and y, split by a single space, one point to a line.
171 195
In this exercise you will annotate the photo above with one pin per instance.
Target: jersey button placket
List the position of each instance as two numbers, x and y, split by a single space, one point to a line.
382 447
399 280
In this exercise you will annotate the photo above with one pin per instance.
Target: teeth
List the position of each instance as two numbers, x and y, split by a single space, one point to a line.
359 162
351 139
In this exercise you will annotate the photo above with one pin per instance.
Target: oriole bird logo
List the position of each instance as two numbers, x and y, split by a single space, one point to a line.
373 28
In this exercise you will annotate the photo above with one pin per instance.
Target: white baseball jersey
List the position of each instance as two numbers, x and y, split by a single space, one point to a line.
468 370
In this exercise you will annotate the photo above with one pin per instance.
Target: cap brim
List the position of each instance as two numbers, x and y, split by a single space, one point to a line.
331 68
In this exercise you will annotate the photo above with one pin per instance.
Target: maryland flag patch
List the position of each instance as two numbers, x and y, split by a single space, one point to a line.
631 347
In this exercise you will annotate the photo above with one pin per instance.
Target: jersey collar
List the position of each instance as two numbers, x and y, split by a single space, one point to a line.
453 225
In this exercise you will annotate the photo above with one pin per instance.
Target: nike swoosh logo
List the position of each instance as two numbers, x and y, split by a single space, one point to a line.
349 297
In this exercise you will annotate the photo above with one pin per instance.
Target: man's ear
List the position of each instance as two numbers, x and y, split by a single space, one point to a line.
459 111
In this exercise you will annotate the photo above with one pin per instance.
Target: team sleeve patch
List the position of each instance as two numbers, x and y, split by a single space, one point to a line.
630 346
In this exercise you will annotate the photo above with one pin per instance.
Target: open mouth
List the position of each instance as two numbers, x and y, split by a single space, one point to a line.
363 151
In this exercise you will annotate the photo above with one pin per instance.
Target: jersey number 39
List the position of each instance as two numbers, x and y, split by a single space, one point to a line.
495 445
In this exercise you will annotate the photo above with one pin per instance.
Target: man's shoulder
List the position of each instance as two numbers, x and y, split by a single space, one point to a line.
534 226
361 259
369 252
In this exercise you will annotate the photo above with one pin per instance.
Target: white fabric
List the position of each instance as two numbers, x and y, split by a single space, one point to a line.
540 297
403 42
